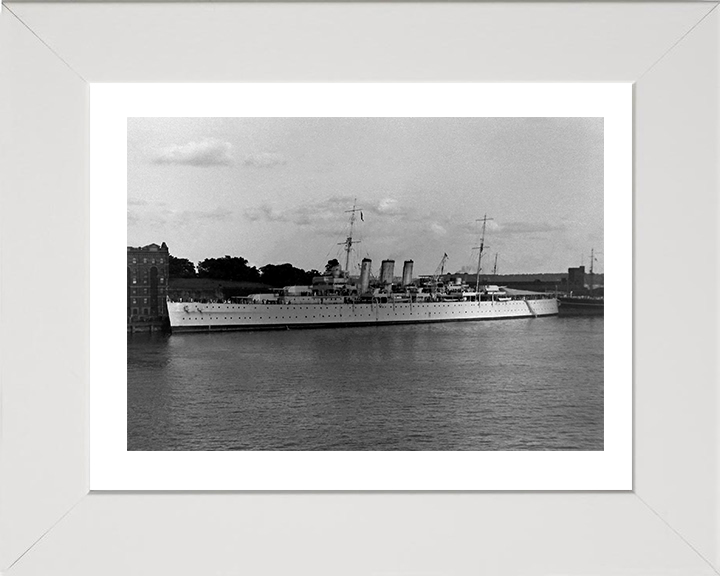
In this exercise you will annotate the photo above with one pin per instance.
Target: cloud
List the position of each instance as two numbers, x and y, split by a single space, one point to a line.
209 152
325 214
386 207
160 218
208 215
437 229
148 218
332 212
265 160
266 213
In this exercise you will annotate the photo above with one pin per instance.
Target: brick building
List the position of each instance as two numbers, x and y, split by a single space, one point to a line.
147 284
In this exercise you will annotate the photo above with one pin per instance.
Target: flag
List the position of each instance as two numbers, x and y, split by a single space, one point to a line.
361 216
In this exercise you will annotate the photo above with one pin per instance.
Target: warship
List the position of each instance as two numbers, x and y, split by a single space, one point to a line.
336 299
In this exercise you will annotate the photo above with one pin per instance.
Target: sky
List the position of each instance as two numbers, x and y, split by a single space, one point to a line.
276 190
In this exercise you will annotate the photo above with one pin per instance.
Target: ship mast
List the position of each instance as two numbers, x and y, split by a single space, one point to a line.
349 240
480 251
495 266
592 261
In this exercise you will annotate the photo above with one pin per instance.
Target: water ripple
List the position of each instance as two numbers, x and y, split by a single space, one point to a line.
517 385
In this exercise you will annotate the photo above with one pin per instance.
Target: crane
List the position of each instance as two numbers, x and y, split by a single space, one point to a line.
439 271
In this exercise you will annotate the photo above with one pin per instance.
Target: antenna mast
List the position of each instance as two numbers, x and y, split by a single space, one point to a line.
349 241
480 251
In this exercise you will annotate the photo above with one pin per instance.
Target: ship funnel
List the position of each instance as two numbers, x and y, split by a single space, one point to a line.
386 272
407 273
365 276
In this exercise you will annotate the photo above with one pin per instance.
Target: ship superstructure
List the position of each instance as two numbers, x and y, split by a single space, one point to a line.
336 299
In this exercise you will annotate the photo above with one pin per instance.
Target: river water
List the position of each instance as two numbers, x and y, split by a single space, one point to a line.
525 384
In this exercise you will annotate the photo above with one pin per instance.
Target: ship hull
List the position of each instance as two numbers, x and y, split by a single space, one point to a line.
578 306
198 317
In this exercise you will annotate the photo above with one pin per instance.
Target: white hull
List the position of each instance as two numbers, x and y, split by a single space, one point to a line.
195 316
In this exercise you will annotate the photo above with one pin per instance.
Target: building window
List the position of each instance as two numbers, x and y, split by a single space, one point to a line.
134 280
135 311
145 311
144 260
134 300
144 300
162 260
134 260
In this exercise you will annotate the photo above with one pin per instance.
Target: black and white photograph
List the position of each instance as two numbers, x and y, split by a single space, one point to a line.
368 250
365 284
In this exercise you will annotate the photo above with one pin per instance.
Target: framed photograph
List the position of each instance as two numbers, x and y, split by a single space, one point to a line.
95 467
258 166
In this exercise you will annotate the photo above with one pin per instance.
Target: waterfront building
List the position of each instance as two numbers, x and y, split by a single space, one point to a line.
576 279
147 285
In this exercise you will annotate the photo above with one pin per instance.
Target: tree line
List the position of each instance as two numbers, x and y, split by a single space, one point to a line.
237 269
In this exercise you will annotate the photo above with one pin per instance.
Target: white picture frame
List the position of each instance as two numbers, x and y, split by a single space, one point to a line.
49 523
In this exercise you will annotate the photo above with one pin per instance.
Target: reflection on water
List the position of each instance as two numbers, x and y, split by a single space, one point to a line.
534 384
